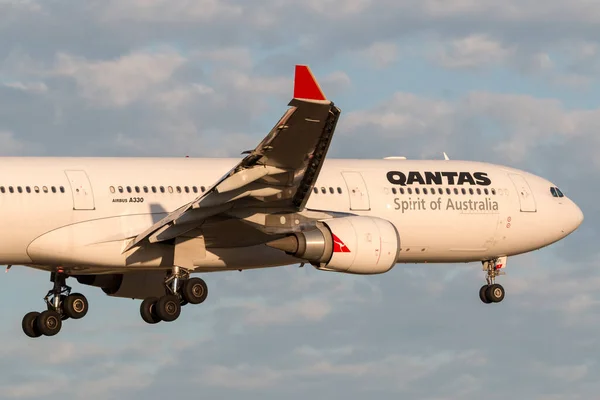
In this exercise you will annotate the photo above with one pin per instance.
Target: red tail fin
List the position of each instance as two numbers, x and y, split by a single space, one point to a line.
306 86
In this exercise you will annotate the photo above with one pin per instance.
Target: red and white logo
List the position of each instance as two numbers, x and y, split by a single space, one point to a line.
339 246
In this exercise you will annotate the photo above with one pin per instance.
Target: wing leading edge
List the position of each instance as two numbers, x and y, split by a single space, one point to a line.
279 173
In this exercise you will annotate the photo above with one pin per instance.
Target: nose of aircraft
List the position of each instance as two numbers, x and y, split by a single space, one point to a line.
575 217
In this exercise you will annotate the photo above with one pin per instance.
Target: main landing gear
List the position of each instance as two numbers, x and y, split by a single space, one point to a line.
61 304
492 292
180 290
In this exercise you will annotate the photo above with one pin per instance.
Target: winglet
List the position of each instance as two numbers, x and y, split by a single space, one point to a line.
306 86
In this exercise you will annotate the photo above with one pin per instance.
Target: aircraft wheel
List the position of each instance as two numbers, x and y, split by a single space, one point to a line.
195 290
29 324
148 310
75 306
168 307
495 293
483 295
49 323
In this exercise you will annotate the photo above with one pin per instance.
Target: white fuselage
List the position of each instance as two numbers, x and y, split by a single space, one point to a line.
88 221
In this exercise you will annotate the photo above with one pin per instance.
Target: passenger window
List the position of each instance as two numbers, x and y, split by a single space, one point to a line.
112 189
331 190
494 192
27 189
53 189
455 191
339 190
448 191
417 191
463 191
424 190
153 189
170 189
137 189
145 189
45 189
10 189
178 189
394 190
162 189
401 190
128 189
2 189
203 189
120 189
409 190
19 189
470 190
486 191
35 189
478 191
323 190
194 189
187 189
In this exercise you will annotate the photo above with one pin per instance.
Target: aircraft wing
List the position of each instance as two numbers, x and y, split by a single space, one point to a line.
279 173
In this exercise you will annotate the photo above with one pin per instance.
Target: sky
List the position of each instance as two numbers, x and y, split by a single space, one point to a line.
509 82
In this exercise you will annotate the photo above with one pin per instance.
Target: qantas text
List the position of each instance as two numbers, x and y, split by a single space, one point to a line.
438 178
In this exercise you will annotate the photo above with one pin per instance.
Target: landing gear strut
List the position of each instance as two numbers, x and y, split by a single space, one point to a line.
180 290
60 304
492 292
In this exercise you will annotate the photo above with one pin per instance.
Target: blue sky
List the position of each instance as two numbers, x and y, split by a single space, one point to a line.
512 82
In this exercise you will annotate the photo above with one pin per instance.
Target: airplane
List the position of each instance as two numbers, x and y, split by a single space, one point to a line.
140 228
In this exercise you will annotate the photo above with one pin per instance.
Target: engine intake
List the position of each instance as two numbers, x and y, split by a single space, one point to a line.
357 245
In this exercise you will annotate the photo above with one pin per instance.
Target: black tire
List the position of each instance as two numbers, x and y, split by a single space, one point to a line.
148 310
29 324
75 306
483 295
495 293
168 307
195 290
49 323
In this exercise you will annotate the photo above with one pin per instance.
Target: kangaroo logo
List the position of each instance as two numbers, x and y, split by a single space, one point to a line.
339 246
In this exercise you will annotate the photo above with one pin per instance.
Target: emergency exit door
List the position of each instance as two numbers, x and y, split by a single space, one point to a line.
81 189
357 190
524 192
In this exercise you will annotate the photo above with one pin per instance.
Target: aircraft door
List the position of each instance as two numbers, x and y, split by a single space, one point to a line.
81 189
524 192
357 190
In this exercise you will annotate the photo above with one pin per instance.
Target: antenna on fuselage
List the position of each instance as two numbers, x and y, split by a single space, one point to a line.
446 156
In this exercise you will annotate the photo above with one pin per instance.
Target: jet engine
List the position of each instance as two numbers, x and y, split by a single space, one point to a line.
134 285
355 245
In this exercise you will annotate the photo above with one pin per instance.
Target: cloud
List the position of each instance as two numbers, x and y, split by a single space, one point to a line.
34 87
509 125
380 54
169 11
118 82
474 51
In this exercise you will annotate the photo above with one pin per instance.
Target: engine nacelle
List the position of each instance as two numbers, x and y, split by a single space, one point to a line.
133 285
357 245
